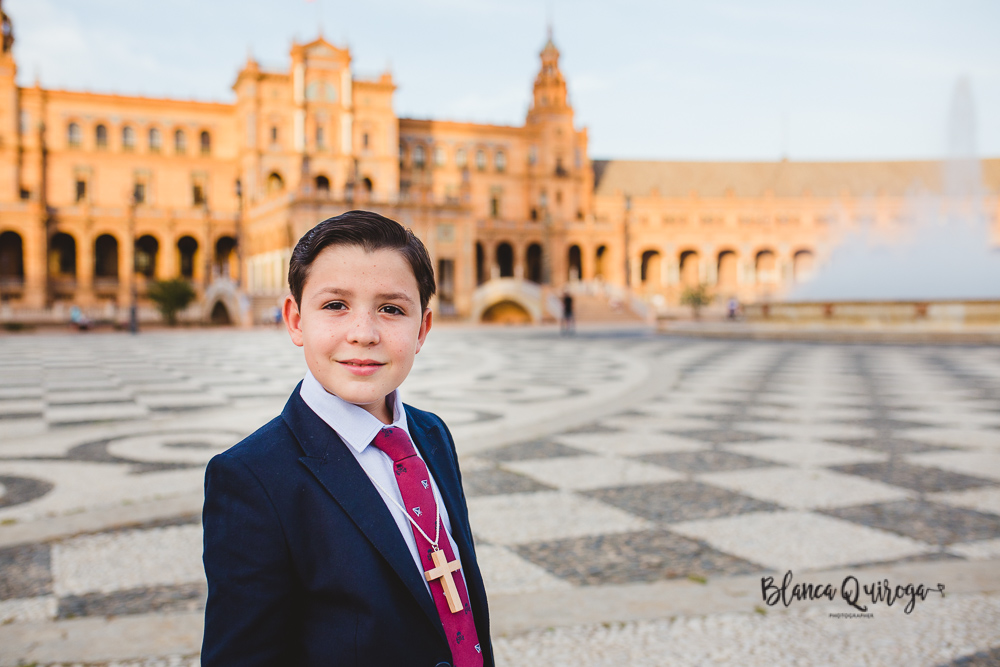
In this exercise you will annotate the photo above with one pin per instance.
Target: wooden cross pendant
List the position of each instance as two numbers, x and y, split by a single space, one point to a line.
442 570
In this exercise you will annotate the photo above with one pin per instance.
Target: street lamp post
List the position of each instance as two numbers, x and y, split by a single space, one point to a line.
543 201
239 235
628 253
133 311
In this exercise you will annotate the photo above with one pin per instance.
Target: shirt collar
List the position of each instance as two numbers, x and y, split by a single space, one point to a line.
355 425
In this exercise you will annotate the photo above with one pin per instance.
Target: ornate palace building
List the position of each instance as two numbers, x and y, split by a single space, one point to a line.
100 194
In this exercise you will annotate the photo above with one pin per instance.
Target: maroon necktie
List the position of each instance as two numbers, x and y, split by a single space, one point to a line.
418 500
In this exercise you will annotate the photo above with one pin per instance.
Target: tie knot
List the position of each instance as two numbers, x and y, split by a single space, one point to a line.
395 442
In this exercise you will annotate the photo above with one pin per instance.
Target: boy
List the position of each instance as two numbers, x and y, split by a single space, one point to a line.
338 534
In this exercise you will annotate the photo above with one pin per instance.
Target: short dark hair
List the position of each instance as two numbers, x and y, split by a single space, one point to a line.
366 230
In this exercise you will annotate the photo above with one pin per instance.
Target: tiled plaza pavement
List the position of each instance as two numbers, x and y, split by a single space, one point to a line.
628 492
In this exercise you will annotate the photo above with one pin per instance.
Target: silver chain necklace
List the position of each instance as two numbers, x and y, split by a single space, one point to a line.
437 514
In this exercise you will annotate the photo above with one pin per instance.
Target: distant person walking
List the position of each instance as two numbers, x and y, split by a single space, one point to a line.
568 322
734 306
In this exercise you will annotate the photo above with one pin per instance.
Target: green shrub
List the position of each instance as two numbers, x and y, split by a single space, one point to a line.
171 297
696 297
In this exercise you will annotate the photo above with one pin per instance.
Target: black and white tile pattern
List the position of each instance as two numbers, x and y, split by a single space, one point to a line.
744 458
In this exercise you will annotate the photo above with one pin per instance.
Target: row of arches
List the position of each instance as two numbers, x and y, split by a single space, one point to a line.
420 157
276 183
725 268
129 138
63 256
762 268
504 262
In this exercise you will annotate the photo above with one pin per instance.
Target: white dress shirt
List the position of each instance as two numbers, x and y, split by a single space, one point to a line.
357 428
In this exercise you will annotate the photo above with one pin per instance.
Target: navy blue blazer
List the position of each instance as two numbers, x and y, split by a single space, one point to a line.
305 563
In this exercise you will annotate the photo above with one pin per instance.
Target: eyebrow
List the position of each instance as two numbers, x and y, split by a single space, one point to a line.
383 296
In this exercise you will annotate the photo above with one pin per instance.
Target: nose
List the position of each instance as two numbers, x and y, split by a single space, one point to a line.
364 329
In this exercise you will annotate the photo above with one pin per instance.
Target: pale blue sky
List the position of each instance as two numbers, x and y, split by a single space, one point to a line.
846 79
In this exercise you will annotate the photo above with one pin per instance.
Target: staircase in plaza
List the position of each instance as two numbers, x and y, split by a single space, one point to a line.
603 308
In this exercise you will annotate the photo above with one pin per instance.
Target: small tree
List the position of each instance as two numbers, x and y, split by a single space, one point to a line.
696 297
171 297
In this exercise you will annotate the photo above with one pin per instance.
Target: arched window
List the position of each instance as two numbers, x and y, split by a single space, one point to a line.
275 183
74 136
155 140
187 248
480 264
322 183
802 265
106 256
62 255
419 157
367 184
320 138
505 260
649 269
225 256
101 136
534 263
128 138
11 256
180 142
500 161
575 268
206 143
481 160
461 158
146 248
726 271
602 251
439 157
766 267
690 268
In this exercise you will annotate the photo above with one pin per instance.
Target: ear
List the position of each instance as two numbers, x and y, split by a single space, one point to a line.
425 326
293 319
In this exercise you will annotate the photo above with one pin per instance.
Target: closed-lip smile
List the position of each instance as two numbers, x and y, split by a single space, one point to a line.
361 367
361 363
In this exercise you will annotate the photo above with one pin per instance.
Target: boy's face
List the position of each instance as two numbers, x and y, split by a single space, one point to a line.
359 324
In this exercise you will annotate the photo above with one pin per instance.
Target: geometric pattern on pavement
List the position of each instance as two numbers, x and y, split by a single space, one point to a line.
756 458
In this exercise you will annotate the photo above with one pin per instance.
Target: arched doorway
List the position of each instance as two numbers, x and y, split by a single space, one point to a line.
766 267
367 184
106 256
574 263
62 256
802 265
220 314
480 264
533 261
187 249
506 312
650 269
599 256
727 270
146 249
275 183
690 268
505 260
225 257
323 184
11 257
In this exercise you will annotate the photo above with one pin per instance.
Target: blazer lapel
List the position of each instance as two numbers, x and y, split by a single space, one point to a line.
329 460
